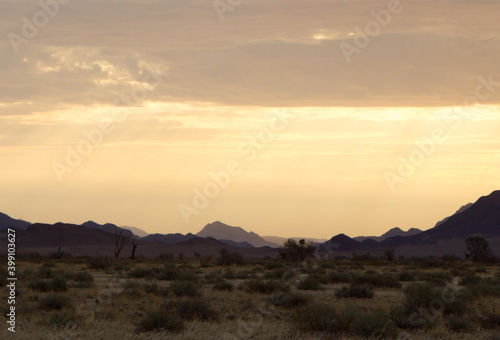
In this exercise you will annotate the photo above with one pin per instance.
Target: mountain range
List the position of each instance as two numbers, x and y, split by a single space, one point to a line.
446 237
391 233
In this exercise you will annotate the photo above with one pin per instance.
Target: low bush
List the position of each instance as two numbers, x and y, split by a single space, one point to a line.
223 285
376 324
160 321
83 279
289 300
185 288
486 287
264 287
169 273
40 285
309 283
155 289
100 263
355 291
273 265
407 276
470 279
459 325
275 274
489 318
62 319
316 317
45 273
376 280
340 277
213 276
142 272
440 278
229 259
197 310
55 301
59 284
206 261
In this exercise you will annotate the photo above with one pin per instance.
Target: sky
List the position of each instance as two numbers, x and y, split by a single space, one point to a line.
288 118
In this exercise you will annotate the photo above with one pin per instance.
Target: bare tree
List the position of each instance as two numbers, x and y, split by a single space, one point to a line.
120 239
134 247
389 254
478 248
58 255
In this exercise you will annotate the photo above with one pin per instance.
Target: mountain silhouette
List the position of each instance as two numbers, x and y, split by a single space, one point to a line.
8 222
221 231
391 233
462 208
108 227
168 238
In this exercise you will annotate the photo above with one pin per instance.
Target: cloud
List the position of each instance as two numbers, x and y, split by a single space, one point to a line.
266 53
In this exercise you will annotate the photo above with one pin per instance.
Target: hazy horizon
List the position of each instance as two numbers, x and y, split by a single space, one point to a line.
121 111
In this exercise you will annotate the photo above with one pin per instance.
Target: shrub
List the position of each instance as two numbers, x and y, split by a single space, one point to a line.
376 280
309 283
375 324
320 277
264 287
160 320
431 299
45 273
141 272
213 276
243 275
229 259
289 300
257 269
185 288
316 317
403 319
223 285
197 309
229 274
100 263
487 287
130 287
206 261
437 278
355 291
153 288
459 325
327 264
407 276
338 277
470 279
62 319
83 279
275 274
40 285
184 275
169 273
489 319
59 284
55 302
420 295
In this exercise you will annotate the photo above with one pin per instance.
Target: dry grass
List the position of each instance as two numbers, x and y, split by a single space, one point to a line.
120 297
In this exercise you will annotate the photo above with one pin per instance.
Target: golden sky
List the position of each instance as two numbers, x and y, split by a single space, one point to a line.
129 111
